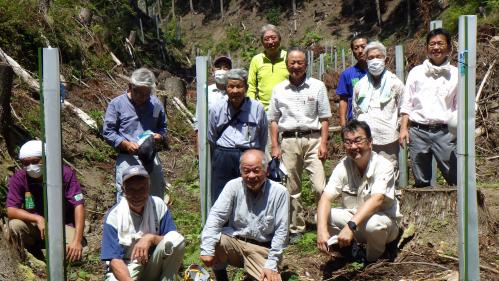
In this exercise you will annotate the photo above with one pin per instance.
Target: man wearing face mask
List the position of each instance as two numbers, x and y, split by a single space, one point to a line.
130 117
376 99
430 100
216 91
25 205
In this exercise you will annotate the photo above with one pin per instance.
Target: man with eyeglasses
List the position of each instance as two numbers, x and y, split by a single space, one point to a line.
369 209
25 205
137 116
429 102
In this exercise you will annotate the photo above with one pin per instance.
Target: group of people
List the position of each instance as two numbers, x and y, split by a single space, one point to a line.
271 111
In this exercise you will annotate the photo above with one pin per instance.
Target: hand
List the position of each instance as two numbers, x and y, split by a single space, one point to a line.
140 251
345 237
270 275
322 238
322 151
129 147
403 137
40 223
157 137
208 260
74 251
276 152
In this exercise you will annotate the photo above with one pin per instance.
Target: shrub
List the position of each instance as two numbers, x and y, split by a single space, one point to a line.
273 15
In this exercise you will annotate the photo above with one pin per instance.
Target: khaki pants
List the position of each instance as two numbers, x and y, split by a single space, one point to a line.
241 254
298 154
163 264
29 233
378 231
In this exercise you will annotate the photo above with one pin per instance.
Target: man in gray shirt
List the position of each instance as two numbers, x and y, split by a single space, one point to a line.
130 117
248 224
234 126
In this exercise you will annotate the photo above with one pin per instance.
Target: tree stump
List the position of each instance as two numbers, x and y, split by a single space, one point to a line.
172 87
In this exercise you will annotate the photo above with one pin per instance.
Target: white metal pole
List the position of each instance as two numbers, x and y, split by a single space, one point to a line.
311 63
343 59
335 60
53 163
434 24
204 146
321 66
467 199
403 169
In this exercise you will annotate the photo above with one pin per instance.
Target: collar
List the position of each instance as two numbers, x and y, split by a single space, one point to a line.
282 56
303 85
246 106
370 166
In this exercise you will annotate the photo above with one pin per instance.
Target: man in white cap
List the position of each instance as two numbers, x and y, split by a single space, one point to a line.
139 237
134 116
25 204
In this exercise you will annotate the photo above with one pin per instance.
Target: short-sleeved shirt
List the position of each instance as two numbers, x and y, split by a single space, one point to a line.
21 186
112 249
355 189
249 130
126 121
348 78
301 107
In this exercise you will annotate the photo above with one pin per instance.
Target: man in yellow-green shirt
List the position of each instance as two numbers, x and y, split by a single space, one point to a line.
267 69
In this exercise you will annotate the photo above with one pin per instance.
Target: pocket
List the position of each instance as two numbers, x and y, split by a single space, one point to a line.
349 197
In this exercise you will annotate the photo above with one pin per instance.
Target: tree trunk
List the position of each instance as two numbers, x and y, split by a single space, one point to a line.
192 6
6 77
409 29
222 8
378 11
173 9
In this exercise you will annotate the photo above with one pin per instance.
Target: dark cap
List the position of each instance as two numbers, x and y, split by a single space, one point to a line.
222 59
135 170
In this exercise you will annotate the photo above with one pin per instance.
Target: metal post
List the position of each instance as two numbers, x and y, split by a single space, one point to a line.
53 191
311 62
434 24
204 146
403 169
321 66
343 59
336 60
467 199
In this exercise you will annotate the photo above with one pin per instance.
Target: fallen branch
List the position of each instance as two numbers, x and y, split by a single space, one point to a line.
481 265
492 158
420 263
181 104
479 93
182 111
335 129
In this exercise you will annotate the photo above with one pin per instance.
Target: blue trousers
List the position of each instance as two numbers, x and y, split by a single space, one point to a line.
224 167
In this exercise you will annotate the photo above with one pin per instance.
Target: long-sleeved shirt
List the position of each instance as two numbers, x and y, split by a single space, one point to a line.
430 99
263 75
299 108
263 218
250 130
126 121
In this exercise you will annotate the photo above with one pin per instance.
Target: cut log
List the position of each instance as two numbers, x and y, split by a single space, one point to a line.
173 87
85 16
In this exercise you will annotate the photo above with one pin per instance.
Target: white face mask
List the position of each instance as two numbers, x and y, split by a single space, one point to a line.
376 66
34 170
219 76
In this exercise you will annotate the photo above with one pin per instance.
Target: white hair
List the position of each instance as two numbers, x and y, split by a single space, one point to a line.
143 77
260 154
375 45
268 27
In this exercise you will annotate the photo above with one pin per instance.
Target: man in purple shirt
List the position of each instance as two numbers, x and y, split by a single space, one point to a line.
25 204
129 118
350 76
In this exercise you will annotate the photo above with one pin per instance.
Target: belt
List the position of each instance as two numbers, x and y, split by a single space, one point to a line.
429 127
299 134
252 241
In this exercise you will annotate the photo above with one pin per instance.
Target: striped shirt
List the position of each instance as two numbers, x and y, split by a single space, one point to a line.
299 108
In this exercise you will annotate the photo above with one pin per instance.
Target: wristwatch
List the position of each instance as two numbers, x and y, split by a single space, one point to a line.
352 225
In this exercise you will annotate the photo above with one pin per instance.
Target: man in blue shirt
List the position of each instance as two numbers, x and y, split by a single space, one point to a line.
139 237
234 126
350 76
131 116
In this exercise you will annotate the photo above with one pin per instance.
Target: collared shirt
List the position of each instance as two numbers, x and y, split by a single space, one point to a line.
263 75
126 121
263 218
22 186
299 108
348 78
355 189
428 99
382 118
215 95
249 130
112 249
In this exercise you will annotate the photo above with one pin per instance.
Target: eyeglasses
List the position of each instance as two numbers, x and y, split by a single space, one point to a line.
357 141
437 43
